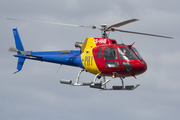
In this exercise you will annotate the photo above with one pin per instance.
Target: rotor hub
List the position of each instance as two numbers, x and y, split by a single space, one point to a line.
104 26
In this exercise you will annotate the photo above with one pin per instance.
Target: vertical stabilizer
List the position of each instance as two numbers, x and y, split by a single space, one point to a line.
20 47
20 64
17 39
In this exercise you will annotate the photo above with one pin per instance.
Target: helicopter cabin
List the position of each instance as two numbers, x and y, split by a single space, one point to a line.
100 54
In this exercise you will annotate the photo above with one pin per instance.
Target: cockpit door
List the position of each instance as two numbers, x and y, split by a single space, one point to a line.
108 59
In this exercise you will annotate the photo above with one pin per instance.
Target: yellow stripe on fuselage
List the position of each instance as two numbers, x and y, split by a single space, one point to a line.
87 56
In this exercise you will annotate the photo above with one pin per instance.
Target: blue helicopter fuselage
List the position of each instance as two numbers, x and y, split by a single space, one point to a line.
72 57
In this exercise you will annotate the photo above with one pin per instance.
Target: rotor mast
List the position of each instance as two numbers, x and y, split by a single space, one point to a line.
103 31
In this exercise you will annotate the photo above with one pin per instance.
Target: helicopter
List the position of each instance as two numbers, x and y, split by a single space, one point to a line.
103 57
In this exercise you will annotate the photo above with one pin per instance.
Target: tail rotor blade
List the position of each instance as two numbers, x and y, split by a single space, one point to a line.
11 49
24 53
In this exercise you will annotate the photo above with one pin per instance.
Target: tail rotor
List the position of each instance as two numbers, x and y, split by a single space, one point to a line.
11 49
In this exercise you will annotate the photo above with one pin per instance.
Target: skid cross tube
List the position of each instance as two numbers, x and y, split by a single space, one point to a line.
77 80
104 82
96 77
122 83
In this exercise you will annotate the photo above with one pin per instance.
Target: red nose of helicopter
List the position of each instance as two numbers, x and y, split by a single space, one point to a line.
139 67
134 67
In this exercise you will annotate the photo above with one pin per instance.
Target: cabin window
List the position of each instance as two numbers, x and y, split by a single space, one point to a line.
111 64
110 53
100 53
126 53
137 53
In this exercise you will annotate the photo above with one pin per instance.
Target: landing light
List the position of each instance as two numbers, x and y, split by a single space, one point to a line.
113 76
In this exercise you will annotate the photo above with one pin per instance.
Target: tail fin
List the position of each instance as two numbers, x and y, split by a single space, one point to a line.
20 47
20 64
18 42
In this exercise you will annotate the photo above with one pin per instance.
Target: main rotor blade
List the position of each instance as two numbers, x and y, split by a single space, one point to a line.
44 22
122 23
93 27
142 33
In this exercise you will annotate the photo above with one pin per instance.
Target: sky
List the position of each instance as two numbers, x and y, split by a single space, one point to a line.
35 92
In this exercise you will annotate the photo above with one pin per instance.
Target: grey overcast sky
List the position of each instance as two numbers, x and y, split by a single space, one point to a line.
35 92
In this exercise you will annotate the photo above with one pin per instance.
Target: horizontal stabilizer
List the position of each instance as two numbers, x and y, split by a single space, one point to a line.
32 56
28 56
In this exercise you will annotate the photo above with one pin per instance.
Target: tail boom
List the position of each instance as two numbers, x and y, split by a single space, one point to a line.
72 59
67 57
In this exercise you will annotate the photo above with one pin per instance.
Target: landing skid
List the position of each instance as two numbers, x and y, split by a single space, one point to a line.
98 84
131 87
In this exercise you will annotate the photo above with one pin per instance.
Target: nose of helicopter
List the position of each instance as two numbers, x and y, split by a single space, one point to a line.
135 67
139 67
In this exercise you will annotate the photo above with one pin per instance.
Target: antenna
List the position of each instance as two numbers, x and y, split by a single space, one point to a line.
59 68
